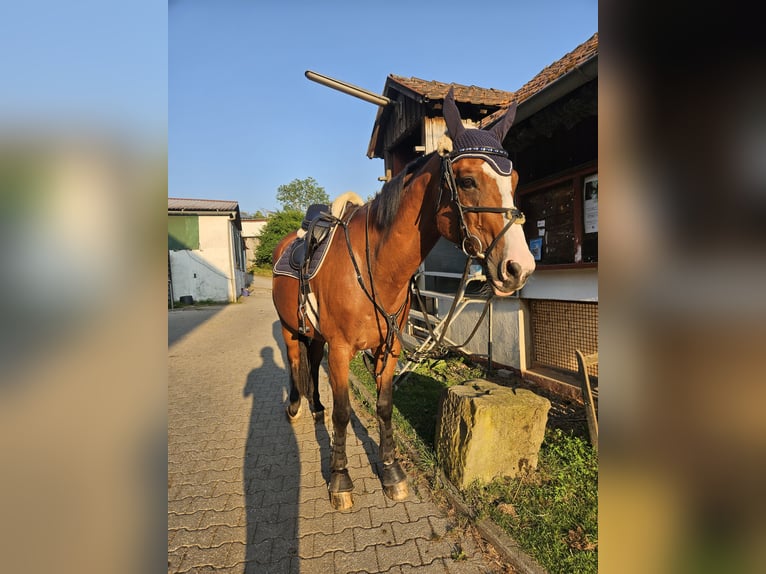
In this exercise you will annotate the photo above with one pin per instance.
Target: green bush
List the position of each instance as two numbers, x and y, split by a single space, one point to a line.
280 224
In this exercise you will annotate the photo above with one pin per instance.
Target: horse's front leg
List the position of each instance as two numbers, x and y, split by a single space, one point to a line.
341 485
392 476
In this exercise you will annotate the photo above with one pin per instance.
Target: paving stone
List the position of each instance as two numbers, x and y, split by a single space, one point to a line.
183 506
412 530
195 557
464 567
313 493
306 546
395 513
365 560
357 517
321 524
226 533
324 543
383 535
259 551
199 503
435 567
416 511
432 549
188 521
201 538
234 517
399 554
174 561
324 564
284 547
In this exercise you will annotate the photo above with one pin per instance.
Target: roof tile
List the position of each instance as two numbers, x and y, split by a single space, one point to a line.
180 204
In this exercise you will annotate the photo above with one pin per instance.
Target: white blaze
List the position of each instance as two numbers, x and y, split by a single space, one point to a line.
515 245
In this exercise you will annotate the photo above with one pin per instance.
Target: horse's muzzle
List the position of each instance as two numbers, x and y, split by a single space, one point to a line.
509 277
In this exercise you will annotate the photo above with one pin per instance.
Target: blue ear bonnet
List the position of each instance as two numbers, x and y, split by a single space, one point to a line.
483 145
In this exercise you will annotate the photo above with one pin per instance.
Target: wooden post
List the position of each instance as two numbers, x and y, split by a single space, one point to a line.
587 396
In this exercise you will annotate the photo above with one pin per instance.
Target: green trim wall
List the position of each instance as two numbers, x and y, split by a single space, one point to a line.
183 232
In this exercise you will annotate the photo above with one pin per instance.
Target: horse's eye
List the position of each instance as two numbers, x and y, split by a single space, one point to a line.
467 182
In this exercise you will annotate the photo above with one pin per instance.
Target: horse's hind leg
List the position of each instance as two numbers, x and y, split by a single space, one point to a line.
392 476
298 372
316 354
341 485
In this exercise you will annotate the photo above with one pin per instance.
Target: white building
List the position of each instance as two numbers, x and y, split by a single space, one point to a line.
251 229
206 252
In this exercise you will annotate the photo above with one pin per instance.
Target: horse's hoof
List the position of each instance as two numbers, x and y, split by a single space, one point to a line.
296 416
319 416
341 500
398 491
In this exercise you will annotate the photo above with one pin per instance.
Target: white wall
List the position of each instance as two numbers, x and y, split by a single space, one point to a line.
564 285
208 272
251 228
508 332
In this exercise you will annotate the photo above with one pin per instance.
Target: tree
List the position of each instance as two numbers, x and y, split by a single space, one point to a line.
280 224
300 193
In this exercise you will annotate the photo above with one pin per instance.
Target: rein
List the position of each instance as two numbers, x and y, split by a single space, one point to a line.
392 320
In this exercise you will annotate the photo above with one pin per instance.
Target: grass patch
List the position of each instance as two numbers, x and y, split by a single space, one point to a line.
550 511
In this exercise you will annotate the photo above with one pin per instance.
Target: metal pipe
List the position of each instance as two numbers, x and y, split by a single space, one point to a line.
489 337
349 89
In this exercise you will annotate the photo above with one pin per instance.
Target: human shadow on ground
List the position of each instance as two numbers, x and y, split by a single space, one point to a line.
271 474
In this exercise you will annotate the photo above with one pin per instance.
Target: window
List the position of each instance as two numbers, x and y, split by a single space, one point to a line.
183 232
562 218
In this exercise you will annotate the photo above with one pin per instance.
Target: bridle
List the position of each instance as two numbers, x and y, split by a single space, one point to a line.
470 243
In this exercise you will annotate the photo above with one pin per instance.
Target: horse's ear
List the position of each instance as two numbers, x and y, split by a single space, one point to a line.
502 127
452 115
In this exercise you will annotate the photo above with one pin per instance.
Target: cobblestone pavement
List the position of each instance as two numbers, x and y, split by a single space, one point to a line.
247 490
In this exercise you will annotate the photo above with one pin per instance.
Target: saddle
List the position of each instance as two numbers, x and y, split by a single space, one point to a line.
315 228
303 258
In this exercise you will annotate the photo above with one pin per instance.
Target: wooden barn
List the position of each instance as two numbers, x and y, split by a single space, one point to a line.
554 147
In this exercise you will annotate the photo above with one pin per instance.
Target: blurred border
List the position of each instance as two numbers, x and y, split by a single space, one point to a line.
83 329
682 131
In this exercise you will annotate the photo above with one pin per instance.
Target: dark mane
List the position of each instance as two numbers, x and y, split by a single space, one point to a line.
386 202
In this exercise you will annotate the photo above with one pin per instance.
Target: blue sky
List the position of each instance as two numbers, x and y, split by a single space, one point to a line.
243 119
85 66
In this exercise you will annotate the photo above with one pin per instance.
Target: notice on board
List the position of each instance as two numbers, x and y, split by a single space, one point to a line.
590 195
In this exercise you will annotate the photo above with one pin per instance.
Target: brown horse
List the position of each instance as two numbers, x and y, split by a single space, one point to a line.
362 291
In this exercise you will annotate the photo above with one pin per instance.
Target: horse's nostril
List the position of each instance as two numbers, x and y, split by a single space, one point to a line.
512 270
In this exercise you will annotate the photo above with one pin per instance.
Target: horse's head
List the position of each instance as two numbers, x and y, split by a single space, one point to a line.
481 182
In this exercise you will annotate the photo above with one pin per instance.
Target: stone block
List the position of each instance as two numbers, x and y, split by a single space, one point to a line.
485 431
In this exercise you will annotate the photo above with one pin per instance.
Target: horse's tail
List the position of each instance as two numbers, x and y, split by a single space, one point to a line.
305 382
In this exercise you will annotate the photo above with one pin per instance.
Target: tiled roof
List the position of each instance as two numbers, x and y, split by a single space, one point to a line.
550 74
553 72
178 204
434 90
